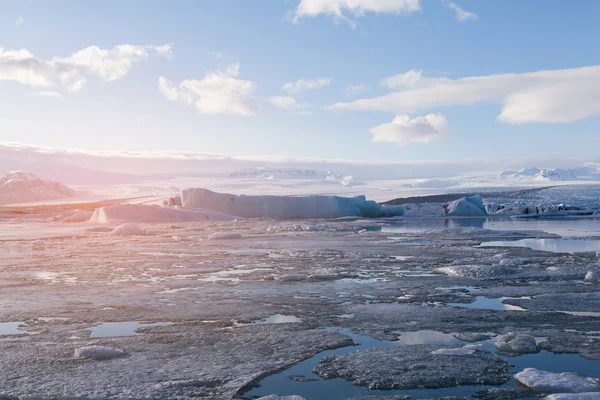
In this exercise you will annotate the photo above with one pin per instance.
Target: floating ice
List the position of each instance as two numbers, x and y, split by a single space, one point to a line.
99 352
592 276
129 230
287 207
549 382
516 344
574 396
224 236
467 207
140 213
460 351
277 397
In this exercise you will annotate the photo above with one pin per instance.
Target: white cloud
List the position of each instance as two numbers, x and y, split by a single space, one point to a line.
461 14
219 92
545 96
289 103
20 21
403 131
72 71
410 79
353 90
344 10
302 85
55 95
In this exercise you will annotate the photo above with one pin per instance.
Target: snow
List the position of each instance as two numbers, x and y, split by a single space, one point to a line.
20 187
515 344
286 207
550 382
574 396
129 230
467 207
585 173
592 276
460 351
140 213
224 236
99 352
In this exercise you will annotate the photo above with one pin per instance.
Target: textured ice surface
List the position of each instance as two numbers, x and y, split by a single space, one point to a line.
574 396
224 236
549 382
286 207
99 352
416 366
515 344
140 213
129 230
467 207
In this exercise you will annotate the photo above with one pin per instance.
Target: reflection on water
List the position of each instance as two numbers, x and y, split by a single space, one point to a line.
551 245
564 226
486 303
300 380
113 329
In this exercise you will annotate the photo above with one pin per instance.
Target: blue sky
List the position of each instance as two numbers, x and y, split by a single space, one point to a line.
253 48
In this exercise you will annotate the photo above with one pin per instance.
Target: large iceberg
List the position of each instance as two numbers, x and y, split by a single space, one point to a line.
140 213
287 207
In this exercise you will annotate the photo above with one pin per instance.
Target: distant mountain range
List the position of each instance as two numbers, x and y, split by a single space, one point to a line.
555 174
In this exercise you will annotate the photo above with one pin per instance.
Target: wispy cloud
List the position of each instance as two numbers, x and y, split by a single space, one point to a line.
20 21
55 95
403 131
302 85
354 90
552 96
346 10
72 72
290 103
461 14
219 92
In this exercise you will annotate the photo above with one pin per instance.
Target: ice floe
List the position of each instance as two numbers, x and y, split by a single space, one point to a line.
550 382
129 230
99 352
516 344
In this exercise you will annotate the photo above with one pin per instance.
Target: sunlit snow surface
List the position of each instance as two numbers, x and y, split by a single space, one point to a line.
222 309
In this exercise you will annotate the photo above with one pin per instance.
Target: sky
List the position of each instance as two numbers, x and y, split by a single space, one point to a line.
372 80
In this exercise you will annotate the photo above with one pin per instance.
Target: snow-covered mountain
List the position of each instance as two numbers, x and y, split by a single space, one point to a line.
294 173
586 173
22 187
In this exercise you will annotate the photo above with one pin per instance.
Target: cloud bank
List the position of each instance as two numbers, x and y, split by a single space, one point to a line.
553 96
73 71
346 10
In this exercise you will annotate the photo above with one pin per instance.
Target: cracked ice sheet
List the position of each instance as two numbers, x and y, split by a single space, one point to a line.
339 268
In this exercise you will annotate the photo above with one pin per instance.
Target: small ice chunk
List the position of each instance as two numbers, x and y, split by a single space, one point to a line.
129 230
516 343
565 382
471 336
224 236
461 351
574 396
99 352
592 276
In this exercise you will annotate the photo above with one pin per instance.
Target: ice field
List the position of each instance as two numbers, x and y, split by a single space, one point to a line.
118 299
